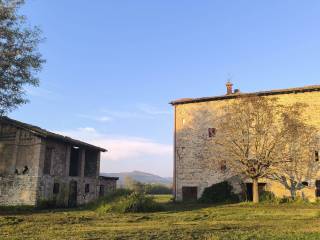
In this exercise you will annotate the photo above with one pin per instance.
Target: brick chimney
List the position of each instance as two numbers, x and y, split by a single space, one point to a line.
229 88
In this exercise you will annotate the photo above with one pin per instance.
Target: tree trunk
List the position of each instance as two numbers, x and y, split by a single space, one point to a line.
255 190
293 193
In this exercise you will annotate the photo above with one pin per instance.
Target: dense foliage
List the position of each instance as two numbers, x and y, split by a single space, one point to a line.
218 193
124 201
148 188
19 56
157 189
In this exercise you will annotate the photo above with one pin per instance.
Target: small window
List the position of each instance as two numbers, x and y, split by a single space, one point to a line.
87 188
223 166
56 188
316 156
317 188
211 132
305 183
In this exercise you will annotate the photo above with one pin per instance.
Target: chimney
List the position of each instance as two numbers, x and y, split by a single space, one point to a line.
229 88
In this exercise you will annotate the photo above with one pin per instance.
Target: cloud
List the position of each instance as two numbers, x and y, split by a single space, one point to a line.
43 93
141 111
151 110
127 153
102 119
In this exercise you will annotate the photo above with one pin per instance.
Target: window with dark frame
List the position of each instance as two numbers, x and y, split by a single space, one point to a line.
316 156
56 188
87 188
212 132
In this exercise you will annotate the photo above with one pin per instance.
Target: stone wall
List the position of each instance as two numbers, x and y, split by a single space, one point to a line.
30 175
195 162
61 198
109 185
59 175
19 164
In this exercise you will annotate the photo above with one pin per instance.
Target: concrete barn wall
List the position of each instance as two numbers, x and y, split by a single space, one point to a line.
19 166
196 163
59 174
110 185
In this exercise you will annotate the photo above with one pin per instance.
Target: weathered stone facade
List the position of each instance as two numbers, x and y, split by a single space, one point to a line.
38 166
195 164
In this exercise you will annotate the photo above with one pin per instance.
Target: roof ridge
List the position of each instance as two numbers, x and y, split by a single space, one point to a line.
47 134
259 93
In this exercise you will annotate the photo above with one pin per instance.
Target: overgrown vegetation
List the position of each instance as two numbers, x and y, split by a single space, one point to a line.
148 188
124 201
241 221
157 189
20 59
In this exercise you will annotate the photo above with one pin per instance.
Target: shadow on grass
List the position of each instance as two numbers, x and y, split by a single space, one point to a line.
24 210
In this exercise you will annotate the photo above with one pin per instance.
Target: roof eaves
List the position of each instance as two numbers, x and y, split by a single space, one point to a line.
236 95
46 134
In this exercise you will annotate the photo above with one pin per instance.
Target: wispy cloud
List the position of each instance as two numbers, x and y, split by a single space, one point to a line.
151 110
124 149
141 111
43 93
95 118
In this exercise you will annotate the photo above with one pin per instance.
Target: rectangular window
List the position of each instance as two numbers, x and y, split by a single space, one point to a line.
56 188
87 188
316 156
223 166
47 160
211 132
317 188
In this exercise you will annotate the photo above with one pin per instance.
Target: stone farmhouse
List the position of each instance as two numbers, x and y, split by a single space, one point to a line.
193 118
38 166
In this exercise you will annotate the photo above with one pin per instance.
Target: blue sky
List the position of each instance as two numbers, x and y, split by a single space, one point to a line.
113 66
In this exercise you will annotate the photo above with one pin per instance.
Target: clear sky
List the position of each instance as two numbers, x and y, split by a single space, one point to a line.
113 66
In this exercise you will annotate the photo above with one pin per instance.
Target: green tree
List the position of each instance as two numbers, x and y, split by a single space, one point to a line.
20 60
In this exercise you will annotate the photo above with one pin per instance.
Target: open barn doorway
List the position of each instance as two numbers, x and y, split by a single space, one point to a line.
189 193
73 190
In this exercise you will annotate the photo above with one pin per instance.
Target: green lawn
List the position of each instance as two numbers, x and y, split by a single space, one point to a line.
179 221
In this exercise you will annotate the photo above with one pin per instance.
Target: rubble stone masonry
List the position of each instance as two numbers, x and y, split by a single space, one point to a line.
195 163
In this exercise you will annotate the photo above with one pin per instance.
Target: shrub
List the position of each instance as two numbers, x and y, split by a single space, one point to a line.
268 197
133 202
218 193
157 189
136 202
103 203
297 200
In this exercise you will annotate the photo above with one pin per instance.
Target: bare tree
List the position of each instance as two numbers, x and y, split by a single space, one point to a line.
249 137
300 164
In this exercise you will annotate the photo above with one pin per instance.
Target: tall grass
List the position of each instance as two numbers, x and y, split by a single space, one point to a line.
124 201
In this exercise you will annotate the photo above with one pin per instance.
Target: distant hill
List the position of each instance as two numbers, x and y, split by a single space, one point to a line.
141 177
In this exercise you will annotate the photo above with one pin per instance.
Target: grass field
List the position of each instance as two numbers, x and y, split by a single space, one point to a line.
179 221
